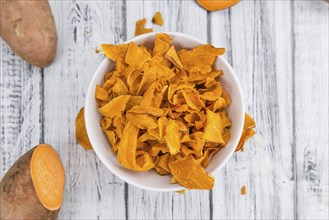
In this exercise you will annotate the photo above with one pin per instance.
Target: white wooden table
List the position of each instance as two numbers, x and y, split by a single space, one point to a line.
279 50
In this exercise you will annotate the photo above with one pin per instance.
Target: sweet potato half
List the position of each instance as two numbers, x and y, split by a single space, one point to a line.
215 5
33 187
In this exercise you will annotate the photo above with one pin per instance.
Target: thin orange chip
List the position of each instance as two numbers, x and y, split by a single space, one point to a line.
140 29
161 44
214 129
114 51
247 132
102 94
157 19
81 132
115 107
243 190
200 58
190 174
135 56
127 151
171 137
172 56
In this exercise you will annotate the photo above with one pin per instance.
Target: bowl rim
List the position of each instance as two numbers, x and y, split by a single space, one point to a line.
90 93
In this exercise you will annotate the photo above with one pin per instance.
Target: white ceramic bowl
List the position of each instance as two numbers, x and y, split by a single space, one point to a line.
150 180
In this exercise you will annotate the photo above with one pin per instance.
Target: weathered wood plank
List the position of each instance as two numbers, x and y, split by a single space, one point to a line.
20 107
311 108
186 17
91 190
258 38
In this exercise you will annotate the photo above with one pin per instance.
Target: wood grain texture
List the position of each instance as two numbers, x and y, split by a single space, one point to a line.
311 24
20 107
279 50
258 38
185 17
91 190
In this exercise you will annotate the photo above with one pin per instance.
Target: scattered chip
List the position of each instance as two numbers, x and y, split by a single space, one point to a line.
157 19
247 131
190 173
140 29
181 192
81 132
243 190
165 110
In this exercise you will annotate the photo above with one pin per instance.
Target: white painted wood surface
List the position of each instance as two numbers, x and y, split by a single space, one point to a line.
279 50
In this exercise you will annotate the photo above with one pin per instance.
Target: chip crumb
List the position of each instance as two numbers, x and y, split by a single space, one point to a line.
157 19
140 27
243 190
97 50
181 191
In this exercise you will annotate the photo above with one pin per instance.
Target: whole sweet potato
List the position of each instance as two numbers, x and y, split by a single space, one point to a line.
29 29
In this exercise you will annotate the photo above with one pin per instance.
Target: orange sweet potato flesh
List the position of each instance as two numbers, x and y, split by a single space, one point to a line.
33 187
215 5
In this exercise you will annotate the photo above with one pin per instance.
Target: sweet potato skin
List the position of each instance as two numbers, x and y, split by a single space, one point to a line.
28 27
19 199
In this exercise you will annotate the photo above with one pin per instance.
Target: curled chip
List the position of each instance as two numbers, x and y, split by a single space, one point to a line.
157 19
140 29
190 173
80 131
165 110
247 131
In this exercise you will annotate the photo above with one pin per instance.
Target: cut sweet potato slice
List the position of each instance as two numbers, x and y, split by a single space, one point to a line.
214 5
47 174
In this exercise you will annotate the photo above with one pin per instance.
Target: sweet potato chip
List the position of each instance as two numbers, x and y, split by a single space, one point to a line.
119 88
214 129
163 162
135 56
149 77
157 19
161 44
172 56
153 96
102 94
127 151
115 107
208 155
171 137
114 51
200 58
213 90
226 97
112 139
81 132
157 149
193 100
190 174
133 101
140 29
142 120
247 131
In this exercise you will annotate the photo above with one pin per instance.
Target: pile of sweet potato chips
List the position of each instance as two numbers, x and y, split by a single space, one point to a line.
165 109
